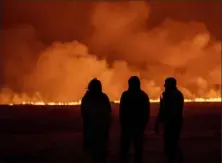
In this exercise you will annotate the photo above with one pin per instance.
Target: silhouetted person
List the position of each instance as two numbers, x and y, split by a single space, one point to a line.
134 116
171 116
96 114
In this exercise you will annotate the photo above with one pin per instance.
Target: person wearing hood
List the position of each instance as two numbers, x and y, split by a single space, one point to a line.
171 116
96 114
134 114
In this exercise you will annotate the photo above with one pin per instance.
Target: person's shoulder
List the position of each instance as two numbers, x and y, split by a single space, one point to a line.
125 93
85 96
143 93
162 95
85 99
179 93
105 95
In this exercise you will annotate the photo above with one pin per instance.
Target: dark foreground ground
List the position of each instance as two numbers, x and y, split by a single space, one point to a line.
52 134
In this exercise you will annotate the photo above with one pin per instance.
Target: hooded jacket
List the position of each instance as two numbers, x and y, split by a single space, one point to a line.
134 107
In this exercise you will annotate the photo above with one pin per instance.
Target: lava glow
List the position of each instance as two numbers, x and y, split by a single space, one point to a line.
116 102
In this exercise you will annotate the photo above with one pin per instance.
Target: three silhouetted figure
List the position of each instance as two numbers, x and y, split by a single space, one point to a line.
96 114
171 115
134 113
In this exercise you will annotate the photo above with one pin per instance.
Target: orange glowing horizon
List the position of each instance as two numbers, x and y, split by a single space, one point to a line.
115 101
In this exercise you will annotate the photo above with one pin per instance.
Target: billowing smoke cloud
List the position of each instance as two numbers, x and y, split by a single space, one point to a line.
62 70
184 50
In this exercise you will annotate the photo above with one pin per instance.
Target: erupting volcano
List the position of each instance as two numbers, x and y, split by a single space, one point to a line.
52 63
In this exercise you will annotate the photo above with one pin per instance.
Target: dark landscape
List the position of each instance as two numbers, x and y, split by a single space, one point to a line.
52 134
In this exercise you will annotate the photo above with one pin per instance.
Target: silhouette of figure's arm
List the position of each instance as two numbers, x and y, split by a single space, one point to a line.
159 115
109 107
83 108
109 104
146 110
181 103
122 107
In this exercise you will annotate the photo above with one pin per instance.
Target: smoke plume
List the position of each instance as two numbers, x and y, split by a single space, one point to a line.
120 45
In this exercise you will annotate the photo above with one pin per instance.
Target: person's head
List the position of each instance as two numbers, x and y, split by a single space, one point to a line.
95 85
134 83
170 83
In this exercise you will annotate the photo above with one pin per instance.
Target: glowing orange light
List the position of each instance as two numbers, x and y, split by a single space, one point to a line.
116 101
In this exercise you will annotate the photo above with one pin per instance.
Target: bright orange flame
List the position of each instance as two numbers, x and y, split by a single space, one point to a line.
116 101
